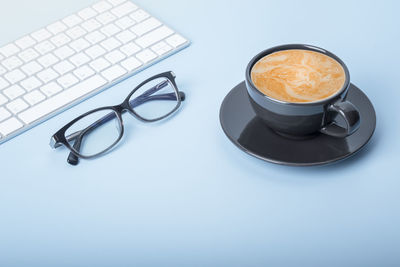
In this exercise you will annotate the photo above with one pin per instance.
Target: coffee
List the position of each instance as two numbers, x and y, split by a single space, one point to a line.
298 75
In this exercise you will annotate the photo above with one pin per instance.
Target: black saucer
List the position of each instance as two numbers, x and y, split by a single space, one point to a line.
250 134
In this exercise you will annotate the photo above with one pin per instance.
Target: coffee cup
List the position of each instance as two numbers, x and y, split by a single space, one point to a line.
328 114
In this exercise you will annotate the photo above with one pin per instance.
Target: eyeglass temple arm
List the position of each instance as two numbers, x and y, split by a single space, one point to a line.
145 97
72 158
140 100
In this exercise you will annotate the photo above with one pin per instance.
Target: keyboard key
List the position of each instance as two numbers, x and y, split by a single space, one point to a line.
51 89
95 37
131 64
139 15
87 13
15 76
95 51
9 50
61 99
101 6
113 73
116 2
47 75
34 97
68 80
124 9
72 20
145 26
84 72
28 55
3 99
100 64
9 126
76 32
161 48
126 36
31 83
176 40
79 45
115 56
56 27
64 52
12 63
44 47
41 35
25 42
63 67
105 18
110 44
79 59
31 68
146 56
48 60
130 49
14 91
17 106
154 36
110 30
3 83
4 114
125 22
2 70
60 39
91 25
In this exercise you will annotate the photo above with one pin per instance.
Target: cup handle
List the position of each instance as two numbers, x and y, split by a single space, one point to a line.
350 115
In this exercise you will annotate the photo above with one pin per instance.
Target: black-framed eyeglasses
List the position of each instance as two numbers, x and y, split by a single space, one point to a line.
97 131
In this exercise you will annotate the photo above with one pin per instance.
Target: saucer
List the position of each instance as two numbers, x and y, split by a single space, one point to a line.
250 133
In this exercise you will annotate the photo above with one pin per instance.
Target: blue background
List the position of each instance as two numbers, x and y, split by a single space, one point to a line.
178 193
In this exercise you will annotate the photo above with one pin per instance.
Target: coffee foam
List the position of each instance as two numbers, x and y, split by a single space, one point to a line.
298 75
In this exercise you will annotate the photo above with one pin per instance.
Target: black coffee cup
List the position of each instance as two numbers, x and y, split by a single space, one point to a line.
334 116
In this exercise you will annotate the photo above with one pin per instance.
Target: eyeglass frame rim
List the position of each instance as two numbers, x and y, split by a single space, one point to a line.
59 139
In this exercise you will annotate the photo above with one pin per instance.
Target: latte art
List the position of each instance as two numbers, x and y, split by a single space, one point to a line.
298 76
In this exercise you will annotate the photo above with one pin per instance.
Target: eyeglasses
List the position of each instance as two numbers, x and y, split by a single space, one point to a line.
96 132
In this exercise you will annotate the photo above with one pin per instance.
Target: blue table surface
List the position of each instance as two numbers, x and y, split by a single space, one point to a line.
179 193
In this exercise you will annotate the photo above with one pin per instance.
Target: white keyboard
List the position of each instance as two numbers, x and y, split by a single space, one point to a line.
49 70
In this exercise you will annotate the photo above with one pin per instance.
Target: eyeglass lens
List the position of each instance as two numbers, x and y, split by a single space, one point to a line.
154 99
95 132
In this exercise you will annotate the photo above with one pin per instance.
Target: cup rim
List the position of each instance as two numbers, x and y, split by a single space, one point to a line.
293 47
